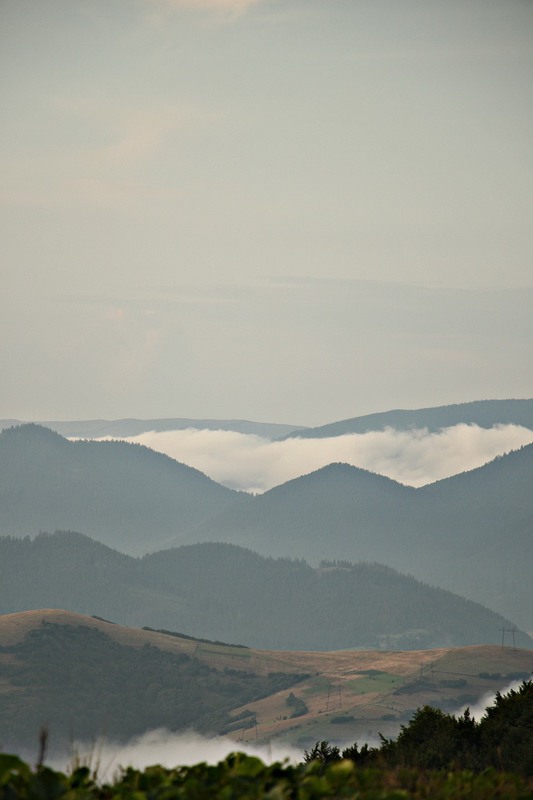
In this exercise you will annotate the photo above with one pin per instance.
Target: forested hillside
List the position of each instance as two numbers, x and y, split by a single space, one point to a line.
220 591
470 533
123 494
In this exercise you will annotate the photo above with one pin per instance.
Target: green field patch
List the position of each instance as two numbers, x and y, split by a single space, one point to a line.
375 682
220 649
315 689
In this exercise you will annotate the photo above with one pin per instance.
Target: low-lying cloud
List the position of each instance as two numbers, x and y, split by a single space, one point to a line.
254 464
168 749
478 709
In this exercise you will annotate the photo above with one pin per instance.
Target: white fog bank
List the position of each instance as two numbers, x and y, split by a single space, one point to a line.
254 464
168 749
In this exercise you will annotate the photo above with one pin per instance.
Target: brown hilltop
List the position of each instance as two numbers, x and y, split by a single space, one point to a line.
346 695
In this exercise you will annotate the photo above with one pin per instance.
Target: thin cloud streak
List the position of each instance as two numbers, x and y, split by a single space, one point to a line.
255 464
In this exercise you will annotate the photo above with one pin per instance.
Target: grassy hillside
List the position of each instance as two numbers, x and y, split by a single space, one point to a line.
81 682
224 591
85 676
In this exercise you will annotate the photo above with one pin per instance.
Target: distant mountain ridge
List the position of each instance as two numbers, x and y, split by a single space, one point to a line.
221 591
484 413
124 428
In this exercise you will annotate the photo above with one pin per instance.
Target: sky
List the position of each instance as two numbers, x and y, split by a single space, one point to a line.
292 211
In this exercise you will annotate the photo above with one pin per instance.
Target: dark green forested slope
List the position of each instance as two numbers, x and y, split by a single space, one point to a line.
220 591
485 413
338 511
125 495
81 684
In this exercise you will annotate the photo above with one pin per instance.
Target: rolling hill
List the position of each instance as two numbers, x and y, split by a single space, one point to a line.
470 533
125 495
224 591
85 677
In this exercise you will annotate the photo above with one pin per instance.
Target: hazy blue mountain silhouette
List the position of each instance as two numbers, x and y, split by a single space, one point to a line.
122 494
485 413
470 533
99 428
225 592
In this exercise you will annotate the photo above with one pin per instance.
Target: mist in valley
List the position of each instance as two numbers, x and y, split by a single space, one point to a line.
416 457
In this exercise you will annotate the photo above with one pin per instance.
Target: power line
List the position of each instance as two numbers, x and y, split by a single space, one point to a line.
512 631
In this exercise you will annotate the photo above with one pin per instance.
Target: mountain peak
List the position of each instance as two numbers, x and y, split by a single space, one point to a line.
31 432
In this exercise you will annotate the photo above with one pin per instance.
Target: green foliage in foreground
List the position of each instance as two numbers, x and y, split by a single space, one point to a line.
242 777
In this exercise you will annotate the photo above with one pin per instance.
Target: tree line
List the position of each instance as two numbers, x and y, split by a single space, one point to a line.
434 740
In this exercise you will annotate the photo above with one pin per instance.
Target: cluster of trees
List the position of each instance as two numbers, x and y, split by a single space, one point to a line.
502 739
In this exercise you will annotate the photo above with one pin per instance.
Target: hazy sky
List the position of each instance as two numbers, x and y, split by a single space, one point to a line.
278 210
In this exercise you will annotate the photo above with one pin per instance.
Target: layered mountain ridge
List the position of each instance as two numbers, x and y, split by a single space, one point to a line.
470 533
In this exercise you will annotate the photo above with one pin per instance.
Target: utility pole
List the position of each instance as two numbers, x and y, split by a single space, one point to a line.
512 631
